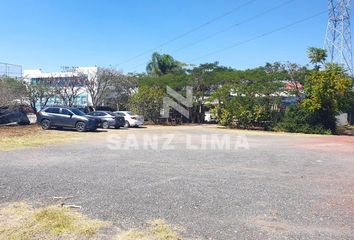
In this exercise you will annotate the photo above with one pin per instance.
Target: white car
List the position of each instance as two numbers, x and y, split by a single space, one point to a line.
131 119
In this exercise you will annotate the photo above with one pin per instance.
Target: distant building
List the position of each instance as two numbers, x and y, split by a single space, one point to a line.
35 76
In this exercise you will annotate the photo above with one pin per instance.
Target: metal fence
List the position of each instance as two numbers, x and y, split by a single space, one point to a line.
10 70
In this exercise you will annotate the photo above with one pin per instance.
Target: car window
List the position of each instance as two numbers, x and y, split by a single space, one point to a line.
53 110
96 114
77 112
48 110
65 112
120 114
108 114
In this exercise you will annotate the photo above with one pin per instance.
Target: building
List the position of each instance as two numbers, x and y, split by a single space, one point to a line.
61 80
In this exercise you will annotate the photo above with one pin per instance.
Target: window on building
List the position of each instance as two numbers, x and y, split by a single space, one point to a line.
83 100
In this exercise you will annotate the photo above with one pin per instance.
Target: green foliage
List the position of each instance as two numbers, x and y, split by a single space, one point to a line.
247 103
298 120
148 102
255 90
317 56
176 81
327 93
12 91
250 98
161 64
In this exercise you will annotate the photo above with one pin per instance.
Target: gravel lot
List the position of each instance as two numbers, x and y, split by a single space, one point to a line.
273 186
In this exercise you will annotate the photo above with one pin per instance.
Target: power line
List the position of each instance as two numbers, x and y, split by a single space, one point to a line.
235 25
260 36
228 28
188 32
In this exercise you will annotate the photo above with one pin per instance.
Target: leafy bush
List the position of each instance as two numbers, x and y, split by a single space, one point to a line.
299 120
225 118
148 102
327 93
247 104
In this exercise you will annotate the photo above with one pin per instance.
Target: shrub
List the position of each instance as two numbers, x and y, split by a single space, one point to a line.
299 120
327 93
148 102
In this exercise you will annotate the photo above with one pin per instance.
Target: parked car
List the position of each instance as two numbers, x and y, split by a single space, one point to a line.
85 109
65 117
131 119
108 119
104 108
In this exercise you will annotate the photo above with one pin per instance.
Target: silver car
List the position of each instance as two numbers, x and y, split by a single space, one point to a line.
131 119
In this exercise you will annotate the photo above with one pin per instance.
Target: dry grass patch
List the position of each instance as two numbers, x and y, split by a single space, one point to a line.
15 137
19 221
157 230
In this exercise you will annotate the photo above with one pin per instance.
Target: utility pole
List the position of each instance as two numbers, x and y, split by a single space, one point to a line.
338 42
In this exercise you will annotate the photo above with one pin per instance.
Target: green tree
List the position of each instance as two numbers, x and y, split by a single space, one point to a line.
317 56
161 64
202 80
12 91
176 81
148 101
248 103
327 93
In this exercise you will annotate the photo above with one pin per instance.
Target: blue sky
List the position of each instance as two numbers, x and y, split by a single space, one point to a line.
48 34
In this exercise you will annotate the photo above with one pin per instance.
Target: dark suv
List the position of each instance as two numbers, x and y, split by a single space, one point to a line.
108 119
65 117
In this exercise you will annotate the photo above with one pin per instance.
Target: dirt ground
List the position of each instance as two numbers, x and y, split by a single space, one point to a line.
15 130
17 137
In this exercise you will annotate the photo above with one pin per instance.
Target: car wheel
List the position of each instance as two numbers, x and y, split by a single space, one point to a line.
80 126
105 125
126 124
45 124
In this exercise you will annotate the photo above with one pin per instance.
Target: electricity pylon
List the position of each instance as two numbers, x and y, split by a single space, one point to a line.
338 41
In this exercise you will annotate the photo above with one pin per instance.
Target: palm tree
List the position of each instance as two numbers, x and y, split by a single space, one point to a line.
161 64
317 56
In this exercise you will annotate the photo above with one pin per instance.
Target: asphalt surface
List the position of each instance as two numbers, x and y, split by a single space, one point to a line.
273 186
